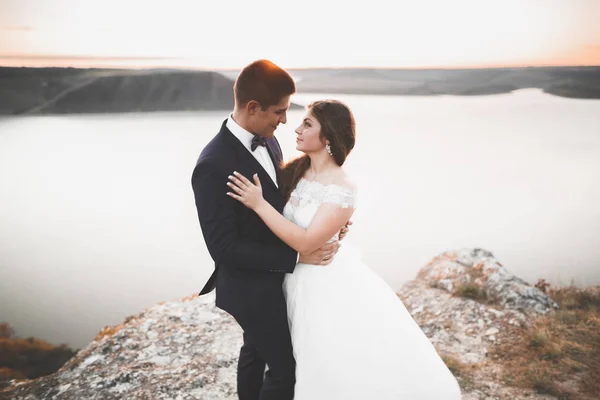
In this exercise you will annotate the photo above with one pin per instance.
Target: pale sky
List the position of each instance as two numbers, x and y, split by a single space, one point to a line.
307 33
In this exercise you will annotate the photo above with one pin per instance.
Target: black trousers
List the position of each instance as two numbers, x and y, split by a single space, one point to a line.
271 346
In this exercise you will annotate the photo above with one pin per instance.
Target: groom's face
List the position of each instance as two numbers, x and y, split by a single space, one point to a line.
265 122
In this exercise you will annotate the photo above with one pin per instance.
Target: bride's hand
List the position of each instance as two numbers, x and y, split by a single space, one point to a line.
246 192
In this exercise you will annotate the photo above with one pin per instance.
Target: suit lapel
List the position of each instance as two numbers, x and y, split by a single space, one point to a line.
275 155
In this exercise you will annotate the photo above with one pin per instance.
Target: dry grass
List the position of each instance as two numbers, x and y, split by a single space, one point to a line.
8 374
474 289
111 330
558 354
471 291
461 371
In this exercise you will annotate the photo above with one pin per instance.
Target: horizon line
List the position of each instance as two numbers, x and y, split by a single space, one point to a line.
336 67
112 62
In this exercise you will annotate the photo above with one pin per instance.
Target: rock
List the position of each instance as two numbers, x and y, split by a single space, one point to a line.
144 358
455 269
491 331
188 349
417 310
496 312
466 337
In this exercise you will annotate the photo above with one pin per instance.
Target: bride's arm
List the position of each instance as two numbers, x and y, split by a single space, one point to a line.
328 220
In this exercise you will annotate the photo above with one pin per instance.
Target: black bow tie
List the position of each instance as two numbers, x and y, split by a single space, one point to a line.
258 141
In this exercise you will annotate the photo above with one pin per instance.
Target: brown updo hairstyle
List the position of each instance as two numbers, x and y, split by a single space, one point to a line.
337 126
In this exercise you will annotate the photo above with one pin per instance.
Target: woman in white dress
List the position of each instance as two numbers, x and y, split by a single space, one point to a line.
352 336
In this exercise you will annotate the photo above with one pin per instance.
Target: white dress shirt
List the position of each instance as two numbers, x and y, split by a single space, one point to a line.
261 153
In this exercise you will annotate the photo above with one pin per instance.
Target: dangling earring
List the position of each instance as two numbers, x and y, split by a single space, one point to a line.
328 148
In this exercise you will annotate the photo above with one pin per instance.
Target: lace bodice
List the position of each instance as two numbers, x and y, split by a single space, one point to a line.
308 196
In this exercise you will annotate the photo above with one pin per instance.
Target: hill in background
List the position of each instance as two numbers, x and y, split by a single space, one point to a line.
32 91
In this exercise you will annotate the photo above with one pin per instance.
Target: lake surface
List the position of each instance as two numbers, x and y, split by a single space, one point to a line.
97 215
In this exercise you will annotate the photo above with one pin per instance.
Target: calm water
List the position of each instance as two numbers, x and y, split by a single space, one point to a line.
97 217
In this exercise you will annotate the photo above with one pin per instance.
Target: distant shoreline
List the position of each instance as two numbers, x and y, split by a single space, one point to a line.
570 82
35 91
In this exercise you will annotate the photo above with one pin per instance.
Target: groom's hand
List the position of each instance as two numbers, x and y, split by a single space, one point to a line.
344 230
321 256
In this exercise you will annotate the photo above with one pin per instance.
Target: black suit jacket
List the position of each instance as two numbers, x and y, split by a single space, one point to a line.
250 261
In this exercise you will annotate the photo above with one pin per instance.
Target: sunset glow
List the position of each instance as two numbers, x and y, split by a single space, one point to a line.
229 34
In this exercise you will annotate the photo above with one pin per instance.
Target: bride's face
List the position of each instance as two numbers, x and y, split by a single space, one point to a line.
308 139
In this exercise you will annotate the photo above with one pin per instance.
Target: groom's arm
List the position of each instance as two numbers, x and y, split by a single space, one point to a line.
216 212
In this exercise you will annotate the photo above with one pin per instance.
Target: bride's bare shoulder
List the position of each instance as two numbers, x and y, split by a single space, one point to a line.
345 181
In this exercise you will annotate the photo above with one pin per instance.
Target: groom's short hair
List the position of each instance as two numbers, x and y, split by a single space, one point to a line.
264 82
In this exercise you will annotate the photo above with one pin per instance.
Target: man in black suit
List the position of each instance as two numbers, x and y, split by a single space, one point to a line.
250 261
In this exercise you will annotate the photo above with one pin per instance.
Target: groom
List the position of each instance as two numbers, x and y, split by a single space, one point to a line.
250 261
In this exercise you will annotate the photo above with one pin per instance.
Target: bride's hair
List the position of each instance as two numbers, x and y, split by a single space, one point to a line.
337 126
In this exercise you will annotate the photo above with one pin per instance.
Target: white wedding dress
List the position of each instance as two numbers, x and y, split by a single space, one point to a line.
353 338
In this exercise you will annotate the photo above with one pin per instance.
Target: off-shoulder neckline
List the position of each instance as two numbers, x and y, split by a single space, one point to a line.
327 184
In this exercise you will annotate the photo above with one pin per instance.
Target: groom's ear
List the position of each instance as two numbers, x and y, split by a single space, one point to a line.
252 107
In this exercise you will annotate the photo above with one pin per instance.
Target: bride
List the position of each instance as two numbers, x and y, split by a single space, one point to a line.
352 336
